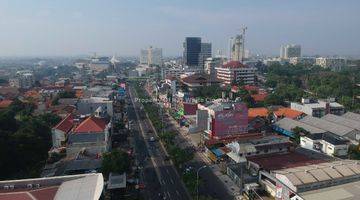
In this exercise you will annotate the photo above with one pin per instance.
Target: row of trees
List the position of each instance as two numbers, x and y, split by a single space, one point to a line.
24 140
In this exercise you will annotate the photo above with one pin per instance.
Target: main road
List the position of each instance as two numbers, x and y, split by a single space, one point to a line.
161 179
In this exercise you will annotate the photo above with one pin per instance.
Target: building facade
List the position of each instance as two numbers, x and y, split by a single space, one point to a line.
192 49
234 71
204 53
290 50
151 56
210 65
335 64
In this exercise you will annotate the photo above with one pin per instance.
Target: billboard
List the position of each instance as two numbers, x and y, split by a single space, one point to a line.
230 122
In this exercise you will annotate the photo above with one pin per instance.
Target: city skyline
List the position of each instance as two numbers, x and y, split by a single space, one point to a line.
61 28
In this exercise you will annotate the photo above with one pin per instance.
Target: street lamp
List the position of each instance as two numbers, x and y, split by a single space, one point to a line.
197 181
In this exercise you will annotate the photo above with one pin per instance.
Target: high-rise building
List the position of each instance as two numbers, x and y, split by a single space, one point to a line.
204 53
237 46
192 49
210 65
290 51
151 56
234 71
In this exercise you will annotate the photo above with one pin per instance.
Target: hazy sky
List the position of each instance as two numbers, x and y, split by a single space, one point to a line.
123 27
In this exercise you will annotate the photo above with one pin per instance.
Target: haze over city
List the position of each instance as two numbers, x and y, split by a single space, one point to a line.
57 28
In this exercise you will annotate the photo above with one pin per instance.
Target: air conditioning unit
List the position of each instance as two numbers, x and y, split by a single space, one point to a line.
37 185
29 185
11 187
6 187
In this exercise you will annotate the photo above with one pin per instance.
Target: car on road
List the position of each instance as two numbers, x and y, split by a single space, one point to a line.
152 139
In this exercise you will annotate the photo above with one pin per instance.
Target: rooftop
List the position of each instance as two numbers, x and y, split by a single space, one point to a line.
66 124
5 103
326 125
342 121
91 125
257 112
289 124
288 112
278 161
233 64
74 187
322 171
352 116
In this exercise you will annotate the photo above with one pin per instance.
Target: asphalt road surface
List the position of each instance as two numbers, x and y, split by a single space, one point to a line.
159 175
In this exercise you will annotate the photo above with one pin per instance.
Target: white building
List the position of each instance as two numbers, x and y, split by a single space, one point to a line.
210 65
290 51
151 56
234 71
179 71
308 61
328 143
335 64
318 108
99 64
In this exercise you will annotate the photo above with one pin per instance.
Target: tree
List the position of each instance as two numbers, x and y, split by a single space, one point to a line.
115 161
67 94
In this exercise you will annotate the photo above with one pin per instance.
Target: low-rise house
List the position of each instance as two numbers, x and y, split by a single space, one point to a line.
352 116
89 105
92 134
61 130
195 81
328 143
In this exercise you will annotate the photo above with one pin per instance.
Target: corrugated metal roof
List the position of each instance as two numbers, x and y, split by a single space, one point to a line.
289 124
326 125
352 116
342 121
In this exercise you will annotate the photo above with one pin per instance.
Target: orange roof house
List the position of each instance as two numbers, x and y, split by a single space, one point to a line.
257 112
66 124
91 125
288 113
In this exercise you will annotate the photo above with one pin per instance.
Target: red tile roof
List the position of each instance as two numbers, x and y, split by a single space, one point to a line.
233 64
257 112
288 112
66 124
259 97
91 125
29 194
5 103
250 87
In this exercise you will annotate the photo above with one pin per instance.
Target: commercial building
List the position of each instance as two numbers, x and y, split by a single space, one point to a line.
192 49
195 81
226 119
90 105
178 71
307 61
347 132
234 71
74 187
342 121
318 108
151 56
286 127
326 180
335 64
205 53
327 143
290 50
210 65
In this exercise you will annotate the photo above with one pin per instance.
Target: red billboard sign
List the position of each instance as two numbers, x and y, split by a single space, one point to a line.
230 122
